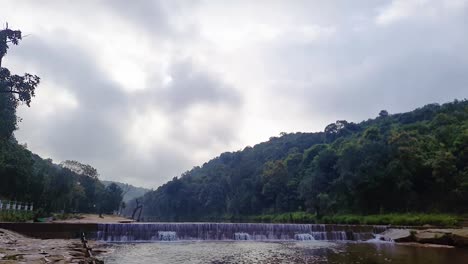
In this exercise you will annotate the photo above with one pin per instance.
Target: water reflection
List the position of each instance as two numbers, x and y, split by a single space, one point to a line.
227 252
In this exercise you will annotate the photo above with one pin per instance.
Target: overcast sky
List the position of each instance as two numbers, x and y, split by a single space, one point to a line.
145 90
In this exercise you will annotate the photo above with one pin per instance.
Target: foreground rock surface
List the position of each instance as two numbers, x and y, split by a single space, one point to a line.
15 248
397 235
452 237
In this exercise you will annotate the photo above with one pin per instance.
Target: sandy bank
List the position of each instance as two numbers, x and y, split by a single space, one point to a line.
94 218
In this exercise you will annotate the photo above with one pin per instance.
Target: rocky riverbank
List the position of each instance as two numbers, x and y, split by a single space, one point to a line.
16 248
448 237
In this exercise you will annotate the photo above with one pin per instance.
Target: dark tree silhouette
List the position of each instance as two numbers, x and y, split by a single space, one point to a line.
21 87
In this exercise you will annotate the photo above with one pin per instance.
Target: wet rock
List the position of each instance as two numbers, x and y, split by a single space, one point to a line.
397 235
460 237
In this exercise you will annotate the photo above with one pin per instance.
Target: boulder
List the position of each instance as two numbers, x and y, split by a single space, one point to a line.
433 237
460 237
398 235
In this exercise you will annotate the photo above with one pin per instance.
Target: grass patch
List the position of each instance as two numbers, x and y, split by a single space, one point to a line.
408 219
65 216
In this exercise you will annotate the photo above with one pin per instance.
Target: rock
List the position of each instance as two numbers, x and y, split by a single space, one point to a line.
433 237
460 237
398 235
55 258
13 257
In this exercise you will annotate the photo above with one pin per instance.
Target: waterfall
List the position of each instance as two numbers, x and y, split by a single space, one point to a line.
167 236
141 232
241 236
304 237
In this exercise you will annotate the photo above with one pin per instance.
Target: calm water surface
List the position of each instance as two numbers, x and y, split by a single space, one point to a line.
282 252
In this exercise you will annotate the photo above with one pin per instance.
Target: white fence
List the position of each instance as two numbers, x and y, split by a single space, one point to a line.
15 206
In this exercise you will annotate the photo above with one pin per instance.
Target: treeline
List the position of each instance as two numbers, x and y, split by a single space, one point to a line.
410 162
26 177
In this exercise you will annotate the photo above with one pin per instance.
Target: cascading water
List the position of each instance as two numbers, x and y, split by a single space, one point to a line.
167 236
141 232
304 237
241 236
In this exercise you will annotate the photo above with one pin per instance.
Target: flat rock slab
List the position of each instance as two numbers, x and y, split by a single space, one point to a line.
460 237
397 235
433 237
455 237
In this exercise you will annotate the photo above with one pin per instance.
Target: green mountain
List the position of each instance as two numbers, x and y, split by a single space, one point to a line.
408 162
130 192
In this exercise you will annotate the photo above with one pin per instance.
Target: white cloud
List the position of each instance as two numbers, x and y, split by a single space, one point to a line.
399 10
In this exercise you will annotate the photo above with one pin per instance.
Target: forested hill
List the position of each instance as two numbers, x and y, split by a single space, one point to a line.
410 162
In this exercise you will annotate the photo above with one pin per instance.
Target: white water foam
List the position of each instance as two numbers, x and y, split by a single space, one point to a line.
241 236
304 237
167 236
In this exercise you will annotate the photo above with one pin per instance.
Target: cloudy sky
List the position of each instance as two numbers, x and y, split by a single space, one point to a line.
145 90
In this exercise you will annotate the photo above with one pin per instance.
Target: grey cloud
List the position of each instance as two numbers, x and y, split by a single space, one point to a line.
150 15
87 133
191 86
357 73
95 131
70 66
155 16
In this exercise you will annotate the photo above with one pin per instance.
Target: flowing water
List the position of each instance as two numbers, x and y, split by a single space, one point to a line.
263 243
145 232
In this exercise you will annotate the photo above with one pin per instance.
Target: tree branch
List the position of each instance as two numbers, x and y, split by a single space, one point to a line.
10 92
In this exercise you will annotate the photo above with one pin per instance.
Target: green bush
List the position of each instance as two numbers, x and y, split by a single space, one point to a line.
294 217
14 216
394 219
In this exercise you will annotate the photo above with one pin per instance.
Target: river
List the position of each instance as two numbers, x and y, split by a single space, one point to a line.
220 252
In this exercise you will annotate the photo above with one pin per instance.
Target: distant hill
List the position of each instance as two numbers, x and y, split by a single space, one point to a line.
130 191
409 162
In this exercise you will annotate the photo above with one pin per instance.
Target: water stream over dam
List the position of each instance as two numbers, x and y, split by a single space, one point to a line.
147 232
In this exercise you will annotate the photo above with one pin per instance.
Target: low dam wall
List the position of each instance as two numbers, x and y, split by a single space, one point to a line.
52 230
145 232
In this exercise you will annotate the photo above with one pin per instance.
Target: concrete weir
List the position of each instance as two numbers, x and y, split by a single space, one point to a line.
147 232
141 232
52 230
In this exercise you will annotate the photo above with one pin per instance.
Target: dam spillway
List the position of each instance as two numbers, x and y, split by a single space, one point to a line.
148 232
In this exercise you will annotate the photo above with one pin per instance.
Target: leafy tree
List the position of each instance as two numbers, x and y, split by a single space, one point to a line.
383 113
14 89
22 87
112 198
80 168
